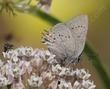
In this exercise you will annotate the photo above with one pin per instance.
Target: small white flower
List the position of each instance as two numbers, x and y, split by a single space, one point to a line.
1 63
17 84
37 62
47 75
65 71
21 51
24 51
82 73
49 57
2 67
15 69
84 82
10 54
15 60
35 81
3 81
64 85
44 55
53 84
77 85
28 51
88 84
27 67
41 54
56 69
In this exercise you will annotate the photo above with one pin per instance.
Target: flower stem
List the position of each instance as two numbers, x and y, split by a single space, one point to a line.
94 58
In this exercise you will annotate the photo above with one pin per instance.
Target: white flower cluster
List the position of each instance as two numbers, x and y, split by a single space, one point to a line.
38 69
72 79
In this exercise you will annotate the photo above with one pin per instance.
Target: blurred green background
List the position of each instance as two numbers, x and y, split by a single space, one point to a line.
27 29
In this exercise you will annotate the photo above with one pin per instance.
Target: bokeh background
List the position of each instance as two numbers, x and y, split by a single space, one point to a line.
27 29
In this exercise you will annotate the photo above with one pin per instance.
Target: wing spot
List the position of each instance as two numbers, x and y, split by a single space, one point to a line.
75 27
79 26
62 35
79 36
84 27
65 36
68 36
72 27
59 35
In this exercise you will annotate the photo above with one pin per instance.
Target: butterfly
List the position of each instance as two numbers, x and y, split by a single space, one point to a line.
66 40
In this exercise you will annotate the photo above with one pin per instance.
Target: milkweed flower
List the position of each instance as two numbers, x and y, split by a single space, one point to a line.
35 81
38 69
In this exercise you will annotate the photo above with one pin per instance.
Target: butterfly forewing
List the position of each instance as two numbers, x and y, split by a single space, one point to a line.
78 27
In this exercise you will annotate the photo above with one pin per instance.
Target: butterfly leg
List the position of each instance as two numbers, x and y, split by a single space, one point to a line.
79 58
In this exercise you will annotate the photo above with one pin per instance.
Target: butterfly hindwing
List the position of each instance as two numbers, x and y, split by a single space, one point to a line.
61 41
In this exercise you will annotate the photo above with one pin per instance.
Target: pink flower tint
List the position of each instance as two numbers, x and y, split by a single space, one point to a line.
53 84
17 84
38 68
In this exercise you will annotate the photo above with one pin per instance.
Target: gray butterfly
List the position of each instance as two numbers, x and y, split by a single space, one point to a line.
67 40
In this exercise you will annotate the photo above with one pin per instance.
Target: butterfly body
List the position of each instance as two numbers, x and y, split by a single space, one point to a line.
67 40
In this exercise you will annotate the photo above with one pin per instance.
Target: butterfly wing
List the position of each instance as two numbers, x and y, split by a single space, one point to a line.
78 27
67 40
60 41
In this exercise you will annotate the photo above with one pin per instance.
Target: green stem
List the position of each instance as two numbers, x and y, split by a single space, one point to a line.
94 58
88 49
